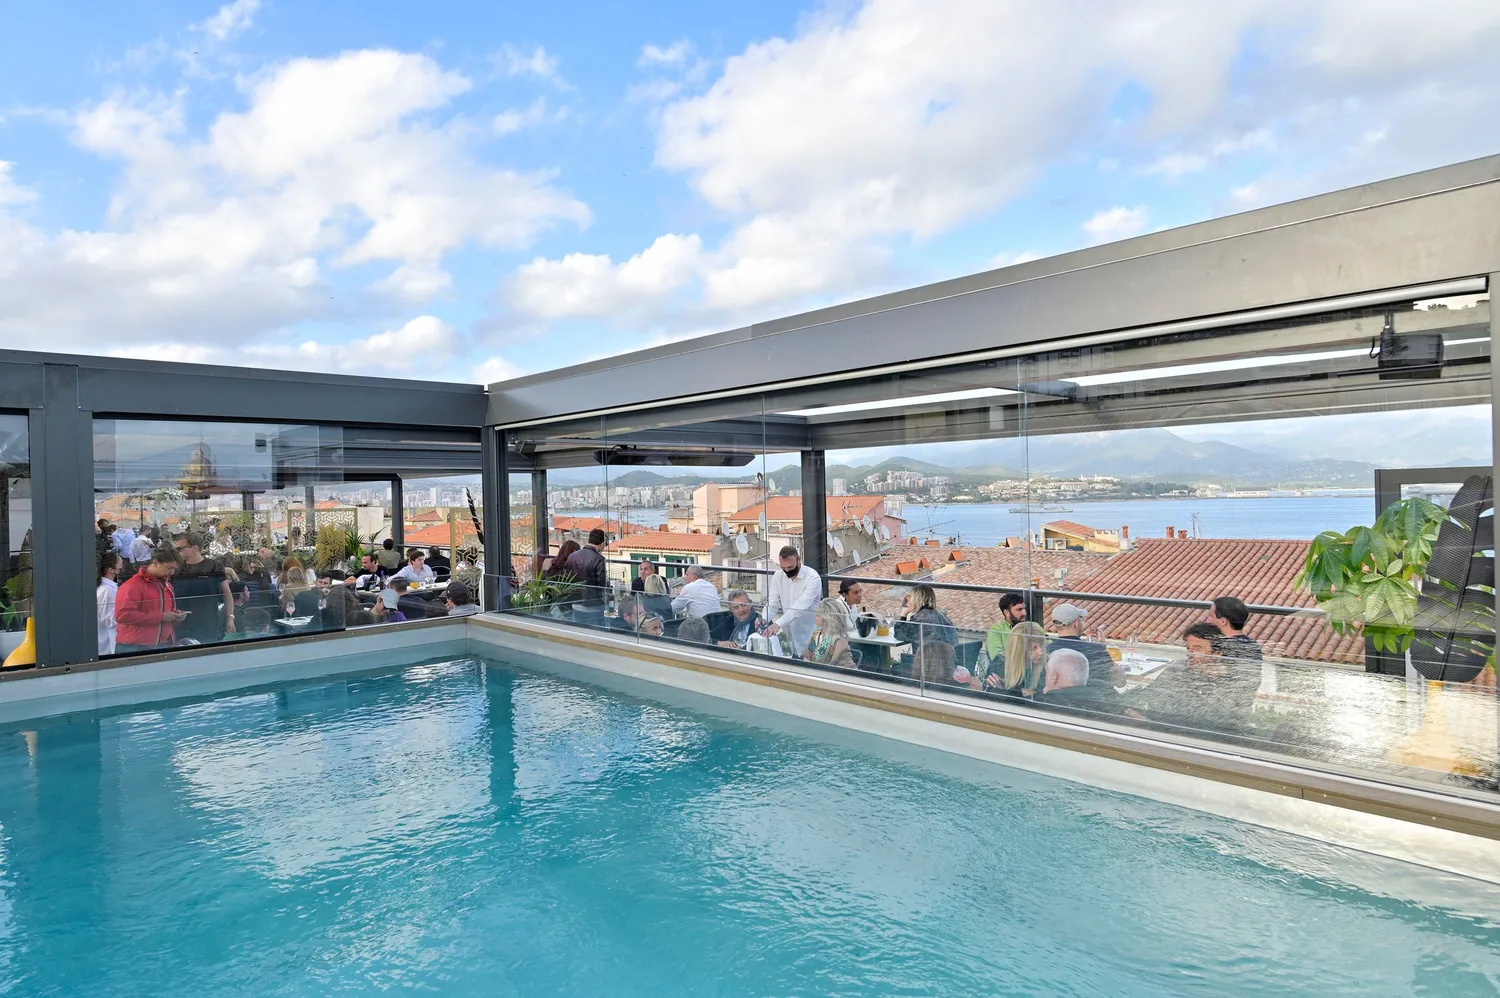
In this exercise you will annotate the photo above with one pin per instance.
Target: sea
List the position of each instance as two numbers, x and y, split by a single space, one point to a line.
1277 516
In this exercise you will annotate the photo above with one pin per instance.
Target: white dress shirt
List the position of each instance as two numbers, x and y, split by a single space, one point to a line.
426 576
790 606
104 597
698 597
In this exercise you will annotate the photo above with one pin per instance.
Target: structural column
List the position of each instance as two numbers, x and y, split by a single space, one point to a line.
495 488
398 513
541 523
62 549
814 511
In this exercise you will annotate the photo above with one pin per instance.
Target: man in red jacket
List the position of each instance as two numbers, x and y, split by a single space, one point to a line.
146 607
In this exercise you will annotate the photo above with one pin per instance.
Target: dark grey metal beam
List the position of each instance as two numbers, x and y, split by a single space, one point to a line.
504 547
62 451
495 495
1389 481
1366 240
814 511
541 523
398 513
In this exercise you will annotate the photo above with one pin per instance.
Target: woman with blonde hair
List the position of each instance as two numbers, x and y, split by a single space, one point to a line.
1025 660
829 644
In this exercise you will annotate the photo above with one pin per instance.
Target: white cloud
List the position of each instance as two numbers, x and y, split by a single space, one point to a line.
234 229
897 120
512 61
422 345
675 54
582 284
517 119
495 369
230 19
1118 222
12 193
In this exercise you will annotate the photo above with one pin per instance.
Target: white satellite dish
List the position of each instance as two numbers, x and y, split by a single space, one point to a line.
724 527
762 523
855 555
838 547
867 523
741 545
885 531
830 521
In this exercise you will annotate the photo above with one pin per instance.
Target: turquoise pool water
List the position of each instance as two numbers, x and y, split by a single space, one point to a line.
469 829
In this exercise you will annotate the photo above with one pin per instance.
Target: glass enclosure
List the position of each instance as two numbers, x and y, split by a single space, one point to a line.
1275 535
213 532
16 603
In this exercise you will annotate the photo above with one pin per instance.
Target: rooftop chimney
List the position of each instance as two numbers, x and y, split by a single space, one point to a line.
1125 532
1171 533
1182 535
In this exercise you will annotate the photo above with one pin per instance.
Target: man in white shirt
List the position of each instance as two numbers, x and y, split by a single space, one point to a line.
795 590
416 569
697 596
140 550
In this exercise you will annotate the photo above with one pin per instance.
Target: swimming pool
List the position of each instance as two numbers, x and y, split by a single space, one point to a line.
465 827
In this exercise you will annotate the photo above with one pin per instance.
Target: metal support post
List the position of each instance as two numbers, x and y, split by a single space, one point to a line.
541 523
495 483
398 513
62 549
814 512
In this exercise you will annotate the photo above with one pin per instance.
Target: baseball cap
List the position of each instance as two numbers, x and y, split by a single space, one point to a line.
1067 613
390 598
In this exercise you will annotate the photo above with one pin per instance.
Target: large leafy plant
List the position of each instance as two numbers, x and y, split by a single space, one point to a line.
541 592
1365 579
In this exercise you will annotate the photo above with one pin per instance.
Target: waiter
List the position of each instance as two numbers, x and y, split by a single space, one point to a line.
795 590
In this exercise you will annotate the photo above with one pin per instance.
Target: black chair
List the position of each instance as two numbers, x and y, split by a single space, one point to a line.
720 624
1455 622
966 653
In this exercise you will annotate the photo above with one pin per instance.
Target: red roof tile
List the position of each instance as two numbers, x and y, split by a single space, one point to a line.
843 509
1071 528
653 540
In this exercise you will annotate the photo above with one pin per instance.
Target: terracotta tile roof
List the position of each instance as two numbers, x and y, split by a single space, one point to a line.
1071 528
437 535
583 524
431 516
843 509
654 540
1257 571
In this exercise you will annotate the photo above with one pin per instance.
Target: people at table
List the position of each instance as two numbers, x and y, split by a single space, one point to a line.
795 590
1066 682
1021 668
698 597
1205 692
388 556
1012 612
743 621
829 642
644 570
555 567
146 605
930 634
416 569
590 568
852 595
656 597
1230 615
202 587
105 591
387 608
1105 675
694 631
459 601
371 576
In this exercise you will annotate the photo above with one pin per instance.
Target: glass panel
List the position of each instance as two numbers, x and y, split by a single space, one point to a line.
236 531
1191 535
16 605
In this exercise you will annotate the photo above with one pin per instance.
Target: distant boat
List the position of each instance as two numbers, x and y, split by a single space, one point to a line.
1040 508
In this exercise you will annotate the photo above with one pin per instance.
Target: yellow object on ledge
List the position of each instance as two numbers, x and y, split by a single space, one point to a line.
25 653
1433 745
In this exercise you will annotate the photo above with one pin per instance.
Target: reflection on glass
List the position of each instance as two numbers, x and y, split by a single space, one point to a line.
1221 534
215 532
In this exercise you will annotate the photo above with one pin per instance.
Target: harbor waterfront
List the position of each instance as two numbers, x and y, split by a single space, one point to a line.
1287 516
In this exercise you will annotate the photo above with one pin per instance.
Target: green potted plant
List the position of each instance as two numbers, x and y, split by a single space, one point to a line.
1365 579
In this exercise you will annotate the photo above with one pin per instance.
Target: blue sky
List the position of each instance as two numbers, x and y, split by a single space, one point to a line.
468 191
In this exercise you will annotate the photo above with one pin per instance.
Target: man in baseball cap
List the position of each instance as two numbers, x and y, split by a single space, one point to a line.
1105 676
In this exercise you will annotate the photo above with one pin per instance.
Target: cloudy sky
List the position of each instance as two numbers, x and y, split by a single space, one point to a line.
469 191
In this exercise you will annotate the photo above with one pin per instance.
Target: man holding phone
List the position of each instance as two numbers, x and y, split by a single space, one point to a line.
146 606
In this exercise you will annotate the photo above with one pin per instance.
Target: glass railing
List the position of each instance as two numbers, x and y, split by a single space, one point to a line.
1207 688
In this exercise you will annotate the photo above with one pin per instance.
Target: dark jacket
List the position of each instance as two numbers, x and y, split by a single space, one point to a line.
925 626
1100 664
592 572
